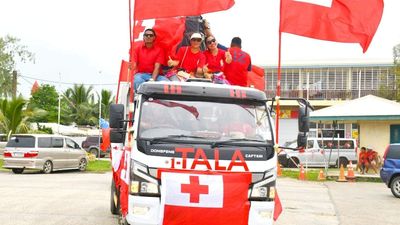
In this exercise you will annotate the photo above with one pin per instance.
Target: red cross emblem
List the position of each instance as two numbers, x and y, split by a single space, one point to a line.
194 189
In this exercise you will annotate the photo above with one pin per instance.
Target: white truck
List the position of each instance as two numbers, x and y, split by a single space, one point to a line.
194 133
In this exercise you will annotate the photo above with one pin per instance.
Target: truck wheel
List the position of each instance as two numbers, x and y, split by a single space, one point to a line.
18 170
395 186
293 162
114 199
342 161
94 152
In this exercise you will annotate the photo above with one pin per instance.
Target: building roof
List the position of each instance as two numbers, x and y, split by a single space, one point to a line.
369 107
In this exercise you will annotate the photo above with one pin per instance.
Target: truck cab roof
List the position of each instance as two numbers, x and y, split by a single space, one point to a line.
200 89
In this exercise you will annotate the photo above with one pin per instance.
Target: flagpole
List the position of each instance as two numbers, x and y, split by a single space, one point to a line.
278 82
130 74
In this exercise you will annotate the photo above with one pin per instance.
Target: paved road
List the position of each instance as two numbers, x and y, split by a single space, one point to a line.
62 198
337 203
74 198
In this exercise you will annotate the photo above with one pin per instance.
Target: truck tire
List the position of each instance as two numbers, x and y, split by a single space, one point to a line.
94 152
342 161
114 199
293 162
395 186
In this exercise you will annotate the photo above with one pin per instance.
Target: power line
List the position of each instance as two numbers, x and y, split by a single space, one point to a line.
67 83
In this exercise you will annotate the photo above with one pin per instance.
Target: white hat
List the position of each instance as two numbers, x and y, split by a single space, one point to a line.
196 35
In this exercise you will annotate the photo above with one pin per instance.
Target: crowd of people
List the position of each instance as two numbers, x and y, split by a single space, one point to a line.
368 158
218 63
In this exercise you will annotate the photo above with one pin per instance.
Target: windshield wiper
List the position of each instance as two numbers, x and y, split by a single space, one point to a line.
171 138
241 142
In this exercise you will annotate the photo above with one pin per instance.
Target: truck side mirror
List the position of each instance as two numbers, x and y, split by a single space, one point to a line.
304 118
301 140
116 115
117 136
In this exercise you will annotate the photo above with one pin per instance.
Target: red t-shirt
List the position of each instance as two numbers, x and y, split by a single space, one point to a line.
236 71
191 61
215 62
145 58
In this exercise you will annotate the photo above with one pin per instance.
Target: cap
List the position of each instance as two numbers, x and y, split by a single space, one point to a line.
236 41
196 35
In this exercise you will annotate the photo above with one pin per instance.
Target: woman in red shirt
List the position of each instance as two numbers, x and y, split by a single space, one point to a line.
189 59
215 61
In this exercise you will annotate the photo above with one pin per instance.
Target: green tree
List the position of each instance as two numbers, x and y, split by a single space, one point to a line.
106 99
81 102
45 98
13 118
11 52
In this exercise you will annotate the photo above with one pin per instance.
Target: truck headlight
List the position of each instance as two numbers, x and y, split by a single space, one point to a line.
148 188
262 191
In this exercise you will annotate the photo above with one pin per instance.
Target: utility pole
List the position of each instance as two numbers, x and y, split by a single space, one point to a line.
14 84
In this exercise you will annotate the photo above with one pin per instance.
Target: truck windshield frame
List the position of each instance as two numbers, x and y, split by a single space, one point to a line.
214 121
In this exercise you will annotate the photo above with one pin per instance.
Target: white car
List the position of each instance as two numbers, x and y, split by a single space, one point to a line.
338 151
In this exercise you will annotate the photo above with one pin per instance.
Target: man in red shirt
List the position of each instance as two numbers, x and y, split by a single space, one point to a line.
147 59
236 71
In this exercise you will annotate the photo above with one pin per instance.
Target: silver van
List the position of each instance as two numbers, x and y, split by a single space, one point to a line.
3 142
43 152
319 151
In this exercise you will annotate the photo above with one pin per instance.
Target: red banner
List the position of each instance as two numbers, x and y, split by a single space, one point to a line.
350 21
206 197
151 9
256 78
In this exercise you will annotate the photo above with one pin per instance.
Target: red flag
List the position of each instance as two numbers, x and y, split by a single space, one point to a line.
206 197
124 178
149 9
105 133
256 78
350 21
123 73
169 34
278 206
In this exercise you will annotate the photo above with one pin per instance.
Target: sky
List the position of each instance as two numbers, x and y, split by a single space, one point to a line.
84 41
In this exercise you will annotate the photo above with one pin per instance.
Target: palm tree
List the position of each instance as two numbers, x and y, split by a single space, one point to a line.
106 100
12 116
81 102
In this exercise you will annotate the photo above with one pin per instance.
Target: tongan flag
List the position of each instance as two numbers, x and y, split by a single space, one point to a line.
151 9
205 197
350 21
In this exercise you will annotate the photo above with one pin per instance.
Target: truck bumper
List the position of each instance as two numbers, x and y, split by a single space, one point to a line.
146 211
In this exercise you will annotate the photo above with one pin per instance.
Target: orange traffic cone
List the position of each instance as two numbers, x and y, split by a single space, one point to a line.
341 175
350 173
321 175
279 170
302 175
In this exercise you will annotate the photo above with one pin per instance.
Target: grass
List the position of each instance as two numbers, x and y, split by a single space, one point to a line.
99 166
1 166
312 175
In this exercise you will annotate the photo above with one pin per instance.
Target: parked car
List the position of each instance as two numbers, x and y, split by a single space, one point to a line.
3 142
318 153
43 152
91 145
390 171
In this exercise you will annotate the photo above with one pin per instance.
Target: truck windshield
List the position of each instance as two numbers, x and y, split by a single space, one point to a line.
202 120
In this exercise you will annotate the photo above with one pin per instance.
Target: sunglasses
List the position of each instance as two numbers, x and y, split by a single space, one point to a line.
196 39
211 41
148 35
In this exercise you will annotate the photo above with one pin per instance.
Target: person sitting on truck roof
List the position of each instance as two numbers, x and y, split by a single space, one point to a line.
215 60
236 71
190 60
147 60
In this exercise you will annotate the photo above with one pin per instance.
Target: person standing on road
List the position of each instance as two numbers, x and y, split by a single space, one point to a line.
147 60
